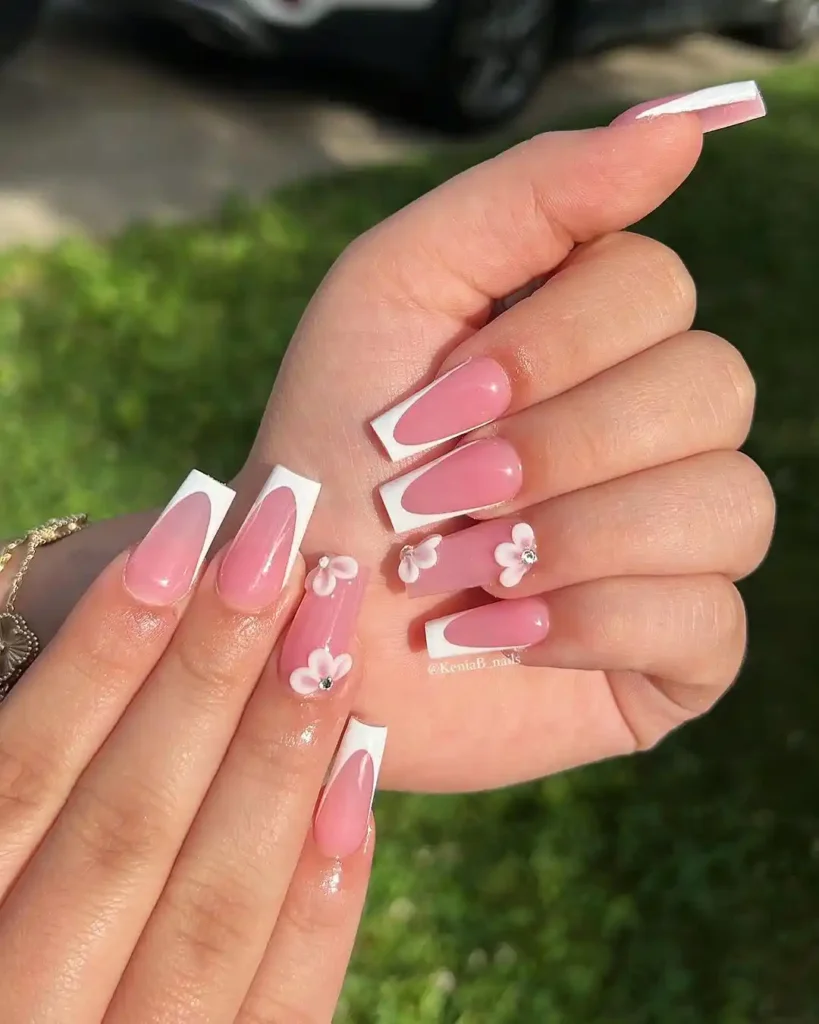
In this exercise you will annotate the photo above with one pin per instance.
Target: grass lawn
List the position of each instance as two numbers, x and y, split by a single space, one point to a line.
681 887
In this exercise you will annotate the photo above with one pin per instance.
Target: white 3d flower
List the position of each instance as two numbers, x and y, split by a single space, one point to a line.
323 579
322 673
415 559
517 558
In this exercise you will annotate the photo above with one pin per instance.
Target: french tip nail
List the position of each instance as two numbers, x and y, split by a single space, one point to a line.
719 106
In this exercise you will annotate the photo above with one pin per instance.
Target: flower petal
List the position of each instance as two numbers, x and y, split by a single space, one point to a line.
523 536
324 583
507 554
511 576
344 567
341 666
408 571
321 663
426 554
303 681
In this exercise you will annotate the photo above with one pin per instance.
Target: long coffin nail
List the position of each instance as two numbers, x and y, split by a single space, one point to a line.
470 395
474 477
720 106
164 566
316 652
261 558
343 814
503 626
499 552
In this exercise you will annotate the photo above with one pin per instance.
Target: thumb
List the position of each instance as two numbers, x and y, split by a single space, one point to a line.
488 231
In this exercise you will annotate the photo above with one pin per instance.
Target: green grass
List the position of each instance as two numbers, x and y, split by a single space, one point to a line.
680 887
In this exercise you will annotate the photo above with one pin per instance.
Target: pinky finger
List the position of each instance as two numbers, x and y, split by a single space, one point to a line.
305 963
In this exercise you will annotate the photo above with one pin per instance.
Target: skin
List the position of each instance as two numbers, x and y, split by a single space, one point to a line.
152 873
628 424
157 780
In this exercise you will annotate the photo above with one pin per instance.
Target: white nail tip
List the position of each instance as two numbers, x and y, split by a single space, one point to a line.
439 647
392 494
221 498
305 492
358 736
385 424
704 99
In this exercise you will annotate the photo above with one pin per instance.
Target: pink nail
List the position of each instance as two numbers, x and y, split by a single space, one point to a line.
343 815
316 652
500 552
163 568
470 395
718 107
468 479
261 558
503 626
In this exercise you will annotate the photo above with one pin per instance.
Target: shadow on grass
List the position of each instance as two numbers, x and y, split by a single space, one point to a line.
679 887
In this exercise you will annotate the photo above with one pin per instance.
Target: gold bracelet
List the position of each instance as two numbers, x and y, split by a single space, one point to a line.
18 644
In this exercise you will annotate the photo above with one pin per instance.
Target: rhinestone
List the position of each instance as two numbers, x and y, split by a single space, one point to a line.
406 551
326 683
529 556
324 562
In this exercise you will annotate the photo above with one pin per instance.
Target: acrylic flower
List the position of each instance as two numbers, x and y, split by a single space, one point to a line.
322 673
415 559
517 558
323 579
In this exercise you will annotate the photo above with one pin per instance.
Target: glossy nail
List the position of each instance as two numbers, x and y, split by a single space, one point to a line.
164 566
503 626
471 395
316 652
470 478
342 818
261 558
720 106
500 552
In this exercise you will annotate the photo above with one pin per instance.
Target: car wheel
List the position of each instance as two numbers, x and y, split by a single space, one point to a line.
494 56
18 22
794 24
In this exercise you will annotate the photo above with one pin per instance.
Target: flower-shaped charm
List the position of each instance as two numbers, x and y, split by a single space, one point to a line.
416 559
517 558
323 579
18 646
322 673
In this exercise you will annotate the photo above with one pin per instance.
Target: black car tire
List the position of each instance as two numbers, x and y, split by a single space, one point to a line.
794 24
18 23
457 99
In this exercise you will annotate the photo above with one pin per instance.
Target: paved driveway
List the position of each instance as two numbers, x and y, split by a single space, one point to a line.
95 132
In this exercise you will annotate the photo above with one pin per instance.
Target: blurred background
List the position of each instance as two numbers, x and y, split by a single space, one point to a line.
175 178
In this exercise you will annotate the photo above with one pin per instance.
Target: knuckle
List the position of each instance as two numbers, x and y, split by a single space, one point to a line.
214 915
730 385
28 778
118 831
209 669
270 753
272 1009
672 286
752 508
720 628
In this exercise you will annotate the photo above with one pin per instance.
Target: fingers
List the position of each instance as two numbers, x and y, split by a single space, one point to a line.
69 701
711 513
84 897
519 215
687 635
202 946
693 393
611 299
303 970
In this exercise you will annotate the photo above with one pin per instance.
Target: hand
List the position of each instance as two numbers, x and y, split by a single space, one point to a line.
619 437
156 856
